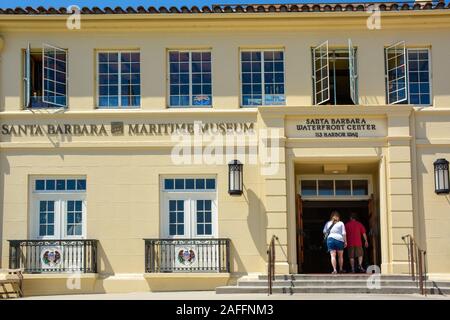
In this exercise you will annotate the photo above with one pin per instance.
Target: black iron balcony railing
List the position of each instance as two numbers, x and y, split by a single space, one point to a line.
187 255
53 256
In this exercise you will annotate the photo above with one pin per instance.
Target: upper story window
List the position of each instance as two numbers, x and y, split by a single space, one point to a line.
334 75
190 78
119 79
45 77
408 75
262 78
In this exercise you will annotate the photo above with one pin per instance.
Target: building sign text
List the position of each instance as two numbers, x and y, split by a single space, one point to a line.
336 128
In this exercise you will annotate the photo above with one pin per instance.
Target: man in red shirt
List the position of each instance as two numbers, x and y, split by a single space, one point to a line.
355 230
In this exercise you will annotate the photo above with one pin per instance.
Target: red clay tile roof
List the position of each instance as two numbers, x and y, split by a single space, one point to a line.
237 8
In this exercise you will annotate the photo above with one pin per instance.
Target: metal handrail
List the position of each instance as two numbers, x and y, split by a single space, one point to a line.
271 264
417 260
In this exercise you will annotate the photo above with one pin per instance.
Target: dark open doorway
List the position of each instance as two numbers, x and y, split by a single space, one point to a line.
340 81
314 215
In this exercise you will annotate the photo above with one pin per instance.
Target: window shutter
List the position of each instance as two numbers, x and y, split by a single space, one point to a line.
352 70
396 75
55 75
27 78
321 73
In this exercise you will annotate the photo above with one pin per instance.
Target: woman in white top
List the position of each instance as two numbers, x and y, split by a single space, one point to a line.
336 238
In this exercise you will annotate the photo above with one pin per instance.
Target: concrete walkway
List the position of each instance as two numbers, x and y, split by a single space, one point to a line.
211 295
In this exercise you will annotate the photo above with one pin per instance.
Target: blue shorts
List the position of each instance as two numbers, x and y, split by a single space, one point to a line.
334 244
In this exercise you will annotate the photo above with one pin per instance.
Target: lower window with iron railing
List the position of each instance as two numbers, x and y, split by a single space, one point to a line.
53 256
187 255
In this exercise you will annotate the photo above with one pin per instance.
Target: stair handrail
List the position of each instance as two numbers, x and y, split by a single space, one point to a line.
417 260
271 264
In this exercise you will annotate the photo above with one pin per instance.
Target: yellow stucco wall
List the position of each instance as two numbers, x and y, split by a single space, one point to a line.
124 173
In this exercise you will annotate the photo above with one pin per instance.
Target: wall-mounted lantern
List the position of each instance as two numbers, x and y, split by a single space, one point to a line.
441 176
235 177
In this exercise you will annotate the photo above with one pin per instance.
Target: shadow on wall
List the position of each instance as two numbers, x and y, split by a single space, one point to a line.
257 212
256 224
422 170
104 268
371 100
4 170
433 209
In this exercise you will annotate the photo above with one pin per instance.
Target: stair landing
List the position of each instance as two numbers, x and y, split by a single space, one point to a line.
341 283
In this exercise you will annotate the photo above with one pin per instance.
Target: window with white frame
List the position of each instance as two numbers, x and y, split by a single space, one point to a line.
419 76
189 207
262 77
58 208
335 76
408 75
190 82
45 77
176 217
204 217
119 79
330 187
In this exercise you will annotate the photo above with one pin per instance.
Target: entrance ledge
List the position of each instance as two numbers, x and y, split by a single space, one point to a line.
61 276
184 275
341 110
186 281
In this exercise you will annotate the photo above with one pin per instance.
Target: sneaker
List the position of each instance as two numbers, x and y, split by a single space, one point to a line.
334 272
361 269
342 271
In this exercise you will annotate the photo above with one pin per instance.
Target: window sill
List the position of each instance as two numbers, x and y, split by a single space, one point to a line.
45 108
67 275
422 106
117 108
189 107
264 105
178 275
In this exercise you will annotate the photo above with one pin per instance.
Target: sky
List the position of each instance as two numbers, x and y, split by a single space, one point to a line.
146 3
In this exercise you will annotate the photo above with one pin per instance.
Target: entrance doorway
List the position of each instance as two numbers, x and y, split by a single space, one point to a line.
315 215
318 197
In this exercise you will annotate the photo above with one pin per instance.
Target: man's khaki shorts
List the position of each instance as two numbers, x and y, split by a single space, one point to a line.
355 252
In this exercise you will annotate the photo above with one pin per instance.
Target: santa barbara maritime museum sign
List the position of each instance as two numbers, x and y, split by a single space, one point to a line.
120 128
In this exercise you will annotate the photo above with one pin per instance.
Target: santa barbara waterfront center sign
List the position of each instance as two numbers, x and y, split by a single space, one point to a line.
352 127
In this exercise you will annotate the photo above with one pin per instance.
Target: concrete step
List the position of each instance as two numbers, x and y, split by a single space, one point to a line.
328 283
345 276
326 289
335 283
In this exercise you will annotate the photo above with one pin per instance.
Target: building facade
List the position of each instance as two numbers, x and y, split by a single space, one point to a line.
117 130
